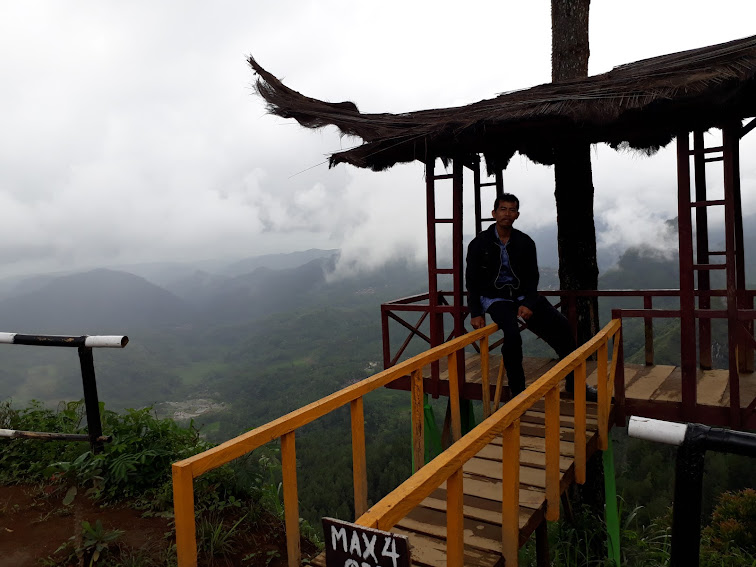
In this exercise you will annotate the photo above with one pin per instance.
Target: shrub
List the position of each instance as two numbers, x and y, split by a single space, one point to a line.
732 531
25 460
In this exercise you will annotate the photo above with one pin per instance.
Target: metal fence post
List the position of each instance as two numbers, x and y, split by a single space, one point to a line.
91 401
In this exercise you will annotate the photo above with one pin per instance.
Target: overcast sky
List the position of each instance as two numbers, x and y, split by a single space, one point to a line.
129 131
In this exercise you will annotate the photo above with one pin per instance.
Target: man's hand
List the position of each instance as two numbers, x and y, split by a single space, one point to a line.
478 322
524 312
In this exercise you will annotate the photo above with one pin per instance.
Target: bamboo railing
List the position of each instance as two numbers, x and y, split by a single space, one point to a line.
284 428
506 422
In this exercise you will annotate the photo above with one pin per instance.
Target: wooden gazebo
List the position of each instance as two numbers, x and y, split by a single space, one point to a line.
642 106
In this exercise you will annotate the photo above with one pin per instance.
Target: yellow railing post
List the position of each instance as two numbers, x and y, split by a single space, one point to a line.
291 498
456 418
484 377
603 397
580 423
359 463
183 511
499 386
552 453
510 495
455 541
418 420
615 358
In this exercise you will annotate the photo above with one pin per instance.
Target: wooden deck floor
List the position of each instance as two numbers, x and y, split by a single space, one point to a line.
662 383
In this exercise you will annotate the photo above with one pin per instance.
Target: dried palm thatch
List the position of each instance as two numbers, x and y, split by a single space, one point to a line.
641 105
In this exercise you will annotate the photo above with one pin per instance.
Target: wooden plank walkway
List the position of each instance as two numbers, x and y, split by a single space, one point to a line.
426 524
482 483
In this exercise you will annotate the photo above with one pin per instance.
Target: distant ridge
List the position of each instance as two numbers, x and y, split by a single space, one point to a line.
97 301
277 261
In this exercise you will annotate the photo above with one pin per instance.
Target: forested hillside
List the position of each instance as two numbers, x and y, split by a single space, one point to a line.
234 350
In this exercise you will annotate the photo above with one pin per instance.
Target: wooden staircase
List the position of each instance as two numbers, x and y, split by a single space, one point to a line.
425 525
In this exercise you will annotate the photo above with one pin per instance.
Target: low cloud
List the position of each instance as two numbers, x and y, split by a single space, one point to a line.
130 131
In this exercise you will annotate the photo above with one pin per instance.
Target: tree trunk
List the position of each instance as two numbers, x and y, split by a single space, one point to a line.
573 179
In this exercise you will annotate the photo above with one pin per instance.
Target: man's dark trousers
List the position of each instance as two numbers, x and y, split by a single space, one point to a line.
546 322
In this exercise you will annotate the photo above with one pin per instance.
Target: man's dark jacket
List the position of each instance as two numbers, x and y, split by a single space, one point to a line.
484 262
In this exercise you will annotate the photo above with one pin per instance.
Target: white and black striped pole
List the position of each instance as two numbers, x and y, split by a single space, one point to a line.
692 440
89 341
85 344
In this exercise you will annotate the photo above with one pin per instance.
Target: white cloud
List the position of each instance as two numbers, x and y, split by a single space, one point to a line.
129 131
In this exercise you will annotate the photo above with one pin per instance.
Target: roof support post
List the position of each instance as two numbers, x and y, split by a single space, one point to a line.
458 312
436 318
702 250
745 347
687 297
476 195
730 142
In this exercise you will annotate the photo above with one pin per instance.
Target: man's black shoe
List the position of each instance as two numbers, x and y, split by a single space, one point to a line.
591 393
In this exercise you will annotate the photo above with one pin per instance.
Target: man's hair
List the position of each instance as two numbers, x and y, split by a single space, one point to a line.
507 198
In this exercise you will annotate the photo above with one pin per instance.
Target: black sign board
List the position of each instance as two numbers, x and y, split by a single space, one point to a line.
350 545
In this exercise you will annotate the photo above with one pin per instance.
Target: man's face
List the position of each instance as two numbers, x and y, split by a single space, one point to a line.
505 214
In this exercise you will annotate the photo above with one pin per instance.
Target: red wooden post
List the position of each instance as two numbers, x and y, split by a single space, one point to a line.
386 338
730 141
436 318
687 297
458 267
702 249
648 328
619 376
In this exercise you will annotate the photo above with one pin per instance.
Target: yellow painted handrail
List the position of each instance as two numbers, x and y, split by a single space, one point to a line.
184 472
447 467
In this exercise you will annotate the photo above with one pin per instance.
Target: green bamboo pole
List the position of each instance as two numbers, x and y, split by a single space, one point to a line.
612 517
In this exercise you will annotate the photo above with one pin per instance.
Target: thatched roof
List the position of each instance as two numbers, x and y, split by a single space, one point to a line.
641 105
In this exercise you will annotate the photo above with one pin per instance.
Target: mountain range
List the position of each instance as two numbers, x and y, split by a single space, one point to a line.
170 296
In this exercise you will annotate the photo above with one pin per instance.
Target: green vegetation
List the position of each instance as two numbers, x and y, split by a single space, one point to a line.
728 541
732 531
234 503
90 545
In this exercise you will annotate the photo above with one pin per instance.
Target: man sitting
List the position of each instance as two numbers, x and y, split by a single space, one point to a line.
502 280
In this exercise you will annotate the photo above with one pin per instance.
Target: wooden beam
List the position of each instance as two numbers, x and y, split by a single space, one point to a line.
291 499
359 463
456 417
603 397
499 385
183 513
418 421
580 436
552 454
455 537
510 496
484 377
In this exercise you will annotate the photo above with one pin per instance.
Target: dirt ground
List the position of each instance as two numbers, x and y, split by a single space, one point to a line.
35 522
